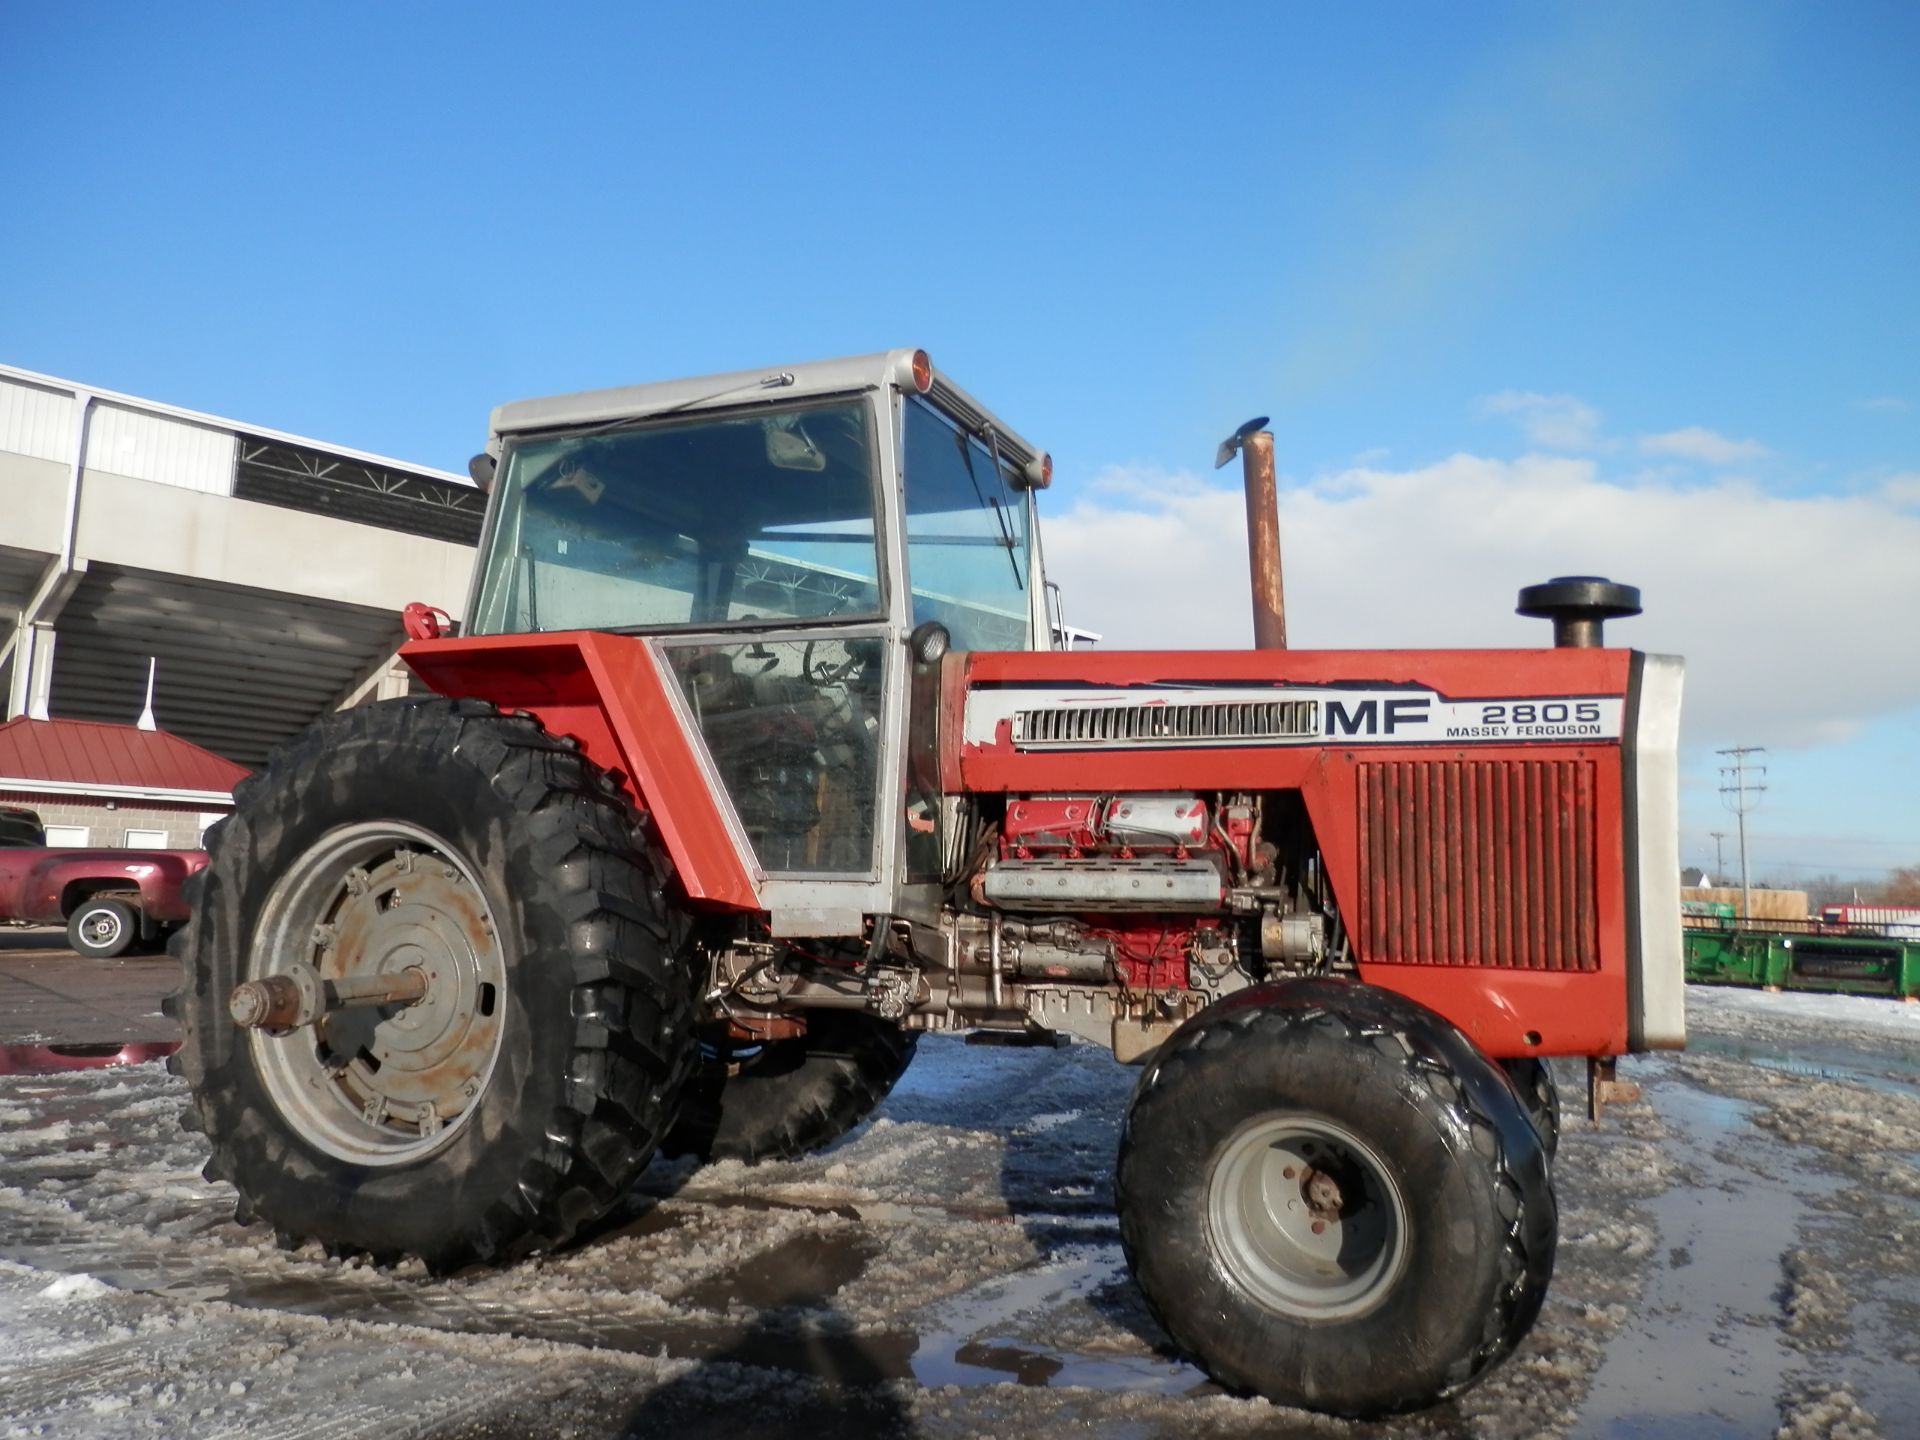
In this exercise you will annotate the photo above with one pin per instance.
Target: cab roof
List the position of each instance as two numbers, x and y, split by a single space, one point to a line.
747 387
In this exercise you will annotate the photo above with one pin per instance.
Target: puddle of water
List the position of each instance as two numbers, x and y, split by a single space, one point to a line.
1703 1357
960 1341
804 1271
52 1059
1816 1062
964 1341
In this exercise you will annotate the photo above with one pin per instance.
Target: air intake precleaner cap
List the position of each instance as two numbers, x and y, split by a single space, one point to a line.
1578 606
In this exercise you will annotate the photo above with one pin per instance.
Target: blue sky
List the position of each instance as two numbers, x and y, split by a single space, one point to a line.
1652 265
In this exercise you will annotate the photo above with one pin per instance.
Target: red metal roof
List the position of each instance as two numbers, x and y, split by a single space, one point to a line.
90 752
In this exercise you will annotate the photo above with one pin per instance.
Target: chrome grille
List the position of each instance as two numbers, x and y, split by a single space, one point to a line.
1202 723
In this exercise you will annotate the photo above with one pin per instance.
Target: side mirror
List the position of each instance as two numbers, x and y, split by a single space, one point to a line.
481 468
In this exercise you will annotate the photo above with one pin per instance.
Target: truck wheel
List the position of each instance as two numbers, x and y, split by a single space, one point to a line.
792 1097
1534 1080
102 928
1329 1197
520 1096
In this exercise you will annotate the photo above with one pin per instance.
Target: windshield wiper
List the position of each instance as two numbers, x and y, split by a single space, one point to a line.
1000 474
777 381
999 514
533 603
1006 539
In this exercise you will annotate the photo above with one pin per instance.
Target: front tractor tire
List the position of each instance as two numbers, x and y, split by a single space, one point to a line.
1331 1198
489 864
1533 1078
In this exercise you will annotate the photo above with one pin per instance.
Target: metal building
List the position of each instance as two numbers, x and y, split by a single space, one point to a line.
260 574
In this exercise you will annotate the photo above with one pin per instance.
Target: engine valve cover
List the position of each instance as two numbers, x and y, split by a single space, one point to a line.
1157 821
1095 885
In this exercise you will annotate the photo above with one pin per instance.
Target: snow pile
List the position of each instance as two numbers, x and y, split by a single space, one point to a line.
1815 1301
1868 1018
77 1287
1826 1414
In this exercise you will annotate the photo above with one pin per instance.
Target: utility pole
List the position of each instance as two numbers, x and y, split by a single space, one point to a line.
1719 855
1735 788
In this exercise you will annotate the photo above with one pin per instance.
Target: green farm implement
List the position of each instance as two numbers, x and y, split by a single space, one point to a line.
1785 957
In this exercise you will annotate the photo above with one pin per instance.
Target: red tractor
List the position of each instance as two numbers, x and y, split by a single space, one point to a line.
757 759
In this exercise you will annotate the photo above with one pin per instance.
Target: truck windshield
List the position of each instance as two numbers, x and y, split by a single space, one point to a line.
967 545
702 521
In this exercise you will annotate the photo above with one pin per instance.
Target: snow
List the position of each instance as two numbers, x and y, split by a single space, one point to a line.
76 1287
1827 1414
1815 1301
1864 1017
952 1269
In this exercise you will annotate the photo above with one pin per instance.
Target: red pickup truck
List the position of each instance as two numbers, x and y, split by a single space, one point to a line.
109 900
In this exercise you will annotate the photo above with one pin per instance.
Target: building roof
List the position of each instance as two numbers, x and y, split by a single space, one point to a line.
90 757
196 417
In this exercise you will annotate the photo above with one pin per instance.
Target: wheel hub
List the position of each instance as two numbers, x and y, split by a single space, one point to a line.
102 927
415 913
376 915
1322 1193
1307 1218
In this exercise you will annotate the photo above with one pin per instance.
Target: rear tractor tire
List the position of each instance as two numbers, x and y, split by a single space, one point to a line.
792 1097
1331 1198
488 864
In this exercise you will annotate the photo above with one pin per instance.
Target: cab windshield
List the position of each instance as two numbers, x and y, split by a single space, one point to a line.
703 521
967 546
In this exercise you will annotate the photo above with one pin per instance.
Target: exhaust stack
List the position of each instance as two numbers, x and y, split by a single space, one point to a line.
1255 444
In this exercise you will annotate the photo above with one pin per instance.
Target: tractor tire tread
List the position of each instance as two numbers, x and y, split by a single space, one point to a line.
622 1081
830 1094
1524 1274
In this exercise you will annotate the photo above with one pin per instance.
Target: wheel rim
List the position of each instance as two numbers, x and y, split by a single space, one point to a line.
389 1084
1306 1218
100 928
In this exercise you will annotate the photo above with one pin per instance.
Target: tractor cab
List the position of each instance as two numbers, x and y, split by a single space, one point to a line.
781 535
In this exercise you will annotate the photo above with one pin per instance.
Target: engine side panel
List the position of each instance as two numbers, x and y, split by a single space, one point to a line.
1468 804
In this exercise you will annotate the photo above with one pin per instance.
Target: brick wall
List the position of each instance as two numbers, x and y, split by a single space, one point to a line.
108 826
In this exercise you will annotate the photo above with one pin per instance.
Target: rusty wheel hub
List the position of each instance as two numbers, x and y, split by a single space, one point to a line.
1307 1218
376 988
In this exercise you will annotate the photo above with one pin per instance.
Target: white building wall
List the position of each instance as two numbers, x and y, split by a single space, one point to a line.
265 547
160 448
36 422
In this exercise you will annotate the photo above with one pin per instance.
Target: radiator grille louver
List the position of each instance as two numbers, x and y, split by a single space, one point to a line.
1487 863
1168 724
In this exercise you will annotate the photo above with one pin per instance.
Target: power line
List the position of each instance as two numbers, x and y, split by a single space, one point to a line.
1735 788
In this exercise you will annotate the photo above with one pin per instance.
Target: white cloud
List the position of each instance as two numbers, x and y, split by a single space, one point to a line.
1781 604
1891 403
1696 442
1903 489
1552 422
